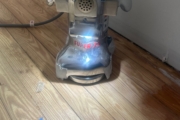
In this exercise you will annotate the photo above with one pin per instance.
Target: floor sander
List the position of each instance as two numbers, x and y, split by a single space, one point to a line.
87 56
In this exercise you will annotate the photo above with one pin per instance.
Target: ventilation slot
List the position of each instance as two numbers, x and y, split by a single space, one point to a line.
85 6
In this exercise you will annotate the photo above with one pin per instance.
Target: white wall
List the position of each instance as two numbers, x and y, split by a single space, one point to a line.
154 25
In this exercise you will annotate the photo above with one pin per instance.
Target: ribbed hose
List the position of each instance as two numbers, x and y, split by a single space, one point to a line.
30 25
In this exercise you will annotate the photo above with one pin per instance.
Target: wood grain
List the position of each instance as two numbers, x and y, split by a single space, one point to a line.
18 102
40 15
135 53
49 9
115 103
148 76
41 33
152 64
150 83
25 69
62 22
76 96
141 99
136 89
92 90
3 113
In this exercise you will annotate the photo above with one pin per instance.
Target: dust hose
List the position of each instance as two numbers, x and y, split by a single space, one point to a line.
32 24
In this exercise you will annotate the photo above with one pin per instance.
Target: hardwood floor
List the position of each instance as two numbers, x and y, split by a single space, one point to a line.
141 87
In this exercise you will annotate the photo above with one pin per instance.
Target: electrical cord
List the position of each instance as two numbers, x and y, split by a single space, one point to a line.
32 24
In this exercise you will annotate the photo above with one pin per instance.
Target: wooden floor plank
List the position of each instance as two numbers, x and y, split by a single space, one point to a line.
76 96
112 111
136 89
62 22
3 113
56 53
25 69
40 14
115 103
140 98
41 33
14 96
152 64
31 4
145 102
49 71
72 93
41 3
17 58
149 82
50 11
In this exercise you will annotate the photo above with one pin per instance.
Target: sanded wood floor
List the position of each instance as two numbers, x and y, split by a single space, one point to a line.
141 87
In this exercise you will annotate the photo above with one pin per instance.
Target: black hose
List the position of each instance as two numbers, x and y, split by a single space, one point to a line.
32 25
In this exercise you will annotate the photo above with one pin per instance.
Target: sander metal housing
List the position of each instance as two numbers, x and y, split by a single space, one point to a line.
87 56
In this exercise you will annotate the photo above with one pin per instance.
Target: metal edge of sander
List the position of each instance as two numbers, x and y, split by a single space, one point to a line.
87 79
